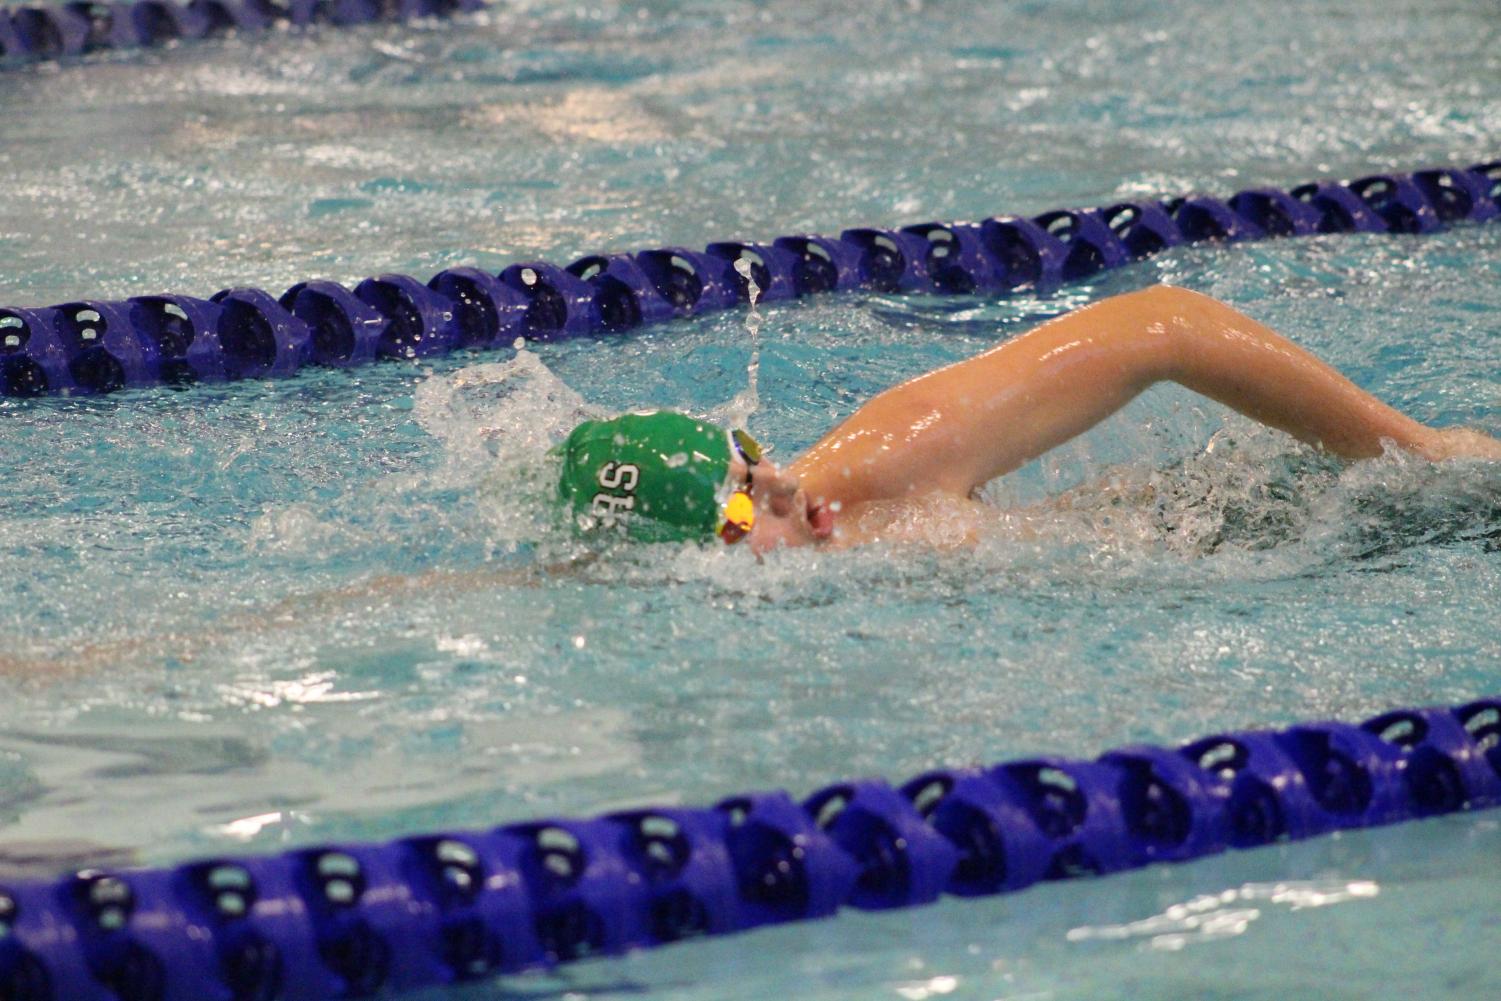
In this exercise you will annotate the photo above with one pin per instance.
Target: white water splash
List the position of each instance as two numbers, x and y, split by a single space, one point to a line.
291 528
497 422
738 411
1213 916
510 410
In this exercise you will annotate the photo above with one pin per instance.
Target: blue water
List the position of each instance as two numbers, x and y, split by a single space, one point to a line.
250 617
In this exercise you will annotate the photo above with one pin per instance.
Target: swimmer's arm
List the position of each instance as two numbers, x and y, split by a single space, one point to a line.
959 427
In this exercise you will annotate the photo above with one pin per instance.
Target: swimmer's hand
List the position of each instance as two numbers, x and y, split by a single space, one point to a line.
1460 443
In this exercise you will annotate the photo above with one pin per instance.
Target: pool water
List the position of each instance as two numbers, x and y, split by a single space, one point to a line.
244 618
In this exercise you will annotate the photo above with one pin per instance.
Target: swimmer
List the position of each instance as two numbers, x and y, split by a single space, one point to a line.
923 449
912 456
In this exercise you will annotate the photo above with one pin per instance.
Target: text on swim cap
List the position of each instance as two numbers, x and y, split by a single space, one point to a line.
621 476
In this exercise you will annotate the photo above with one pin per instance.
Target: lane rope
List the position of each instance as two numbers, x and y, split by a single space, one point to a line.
356 920
54 31
98 346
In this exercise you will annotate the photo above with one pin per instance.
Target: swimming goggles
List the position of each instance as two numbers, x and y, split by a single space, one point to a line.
739 512
749 448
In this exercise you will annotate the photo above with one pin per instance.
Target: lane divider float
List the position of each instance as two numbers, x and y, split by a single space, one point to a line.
98 346
49 31
357 920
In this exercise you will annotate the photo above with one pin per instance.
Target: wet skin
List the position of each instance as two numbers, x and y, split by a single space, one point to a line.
784 514
932 442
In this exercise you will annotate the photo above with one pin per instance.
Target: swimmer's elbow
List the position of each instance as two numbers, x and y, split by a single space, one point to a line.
1160 324
1168 300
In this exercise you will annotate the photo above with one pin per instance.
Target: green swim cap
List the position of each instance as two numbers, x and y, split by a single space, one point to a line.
656 477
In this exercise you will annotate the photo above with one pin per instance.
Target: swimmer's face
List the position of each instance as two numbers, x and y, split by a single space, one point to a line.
783 514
